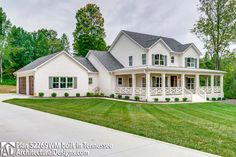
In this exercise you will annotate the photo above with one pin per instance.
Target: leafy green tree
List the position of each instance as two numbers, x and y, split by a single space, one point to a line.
65 43
5 26
216 27
89 33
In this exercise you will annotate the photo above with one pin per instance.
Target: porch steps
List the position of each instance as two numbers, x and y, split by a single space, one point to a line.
197 98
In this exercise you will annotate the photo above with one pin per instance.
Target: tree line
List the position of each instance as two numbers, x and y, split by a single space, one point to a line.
216 28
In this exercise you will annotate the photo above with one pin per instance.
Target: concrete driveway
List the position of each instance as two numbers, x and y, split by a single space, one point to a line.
27 125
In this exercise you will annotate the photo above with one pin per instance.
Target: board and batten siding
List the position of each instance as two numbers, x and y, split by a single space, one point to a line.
124 48
61 66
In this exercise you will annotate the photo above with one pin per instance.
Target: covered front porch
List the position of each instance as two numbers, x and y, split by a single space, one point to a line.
153 84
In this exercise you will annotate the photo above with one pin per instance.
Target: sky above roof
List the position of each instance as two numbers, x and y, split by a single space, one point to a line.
170 18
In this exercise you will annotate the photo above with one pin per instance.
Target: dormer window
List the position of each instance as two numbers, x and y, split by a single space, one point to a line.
172 59
158 59
190 62
130 60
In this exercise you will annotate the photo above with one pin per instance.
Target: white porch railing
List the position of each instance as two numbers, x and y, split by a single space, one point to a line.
140 91
174 90
124 90
156 91
188 94
217 89
202 93
206 89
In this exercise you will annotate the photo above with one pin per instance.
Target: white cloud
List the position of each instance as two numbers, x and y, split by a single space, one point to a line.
159 17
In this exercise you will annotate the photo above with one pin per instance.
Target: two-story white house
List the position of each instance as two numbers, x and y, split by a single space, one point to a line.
136 64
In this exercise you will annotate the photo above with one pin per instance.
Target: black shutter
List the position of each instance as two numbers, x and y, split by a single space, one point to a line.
195 63
165 60
186 62
153 59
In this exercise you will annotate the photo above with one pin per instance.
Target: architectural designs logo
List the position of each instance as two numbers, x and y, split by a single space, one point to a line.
7 149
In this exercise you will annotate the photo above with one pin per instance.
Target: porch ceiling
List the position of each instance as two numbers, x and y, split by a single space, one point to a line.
170 70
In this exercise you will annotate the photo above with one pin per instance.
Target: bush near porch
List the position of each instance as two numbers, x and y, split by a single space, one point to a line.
208 127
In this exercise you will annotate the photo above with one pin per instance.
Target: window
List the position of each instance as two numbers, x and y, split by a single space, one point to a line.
55 83
130 81
120 81
69 82
190 83
130 60
90 81
144 59
62 82
159 59
156 81
172 59
191 62
143 81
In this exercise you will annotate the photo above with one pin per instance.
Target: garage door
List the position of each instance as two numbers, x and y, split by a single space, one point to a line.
22 85
31 85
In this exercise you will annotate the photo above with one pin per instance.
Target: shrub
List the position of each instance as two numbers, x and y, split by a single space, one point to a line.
112 95
208 99
213 99
219 98
223 98
102 94
176 99
89 94
96 94
41 94
156 99
66 94
168 99
127 97
119 96
185 99
77 94
137 98
54 94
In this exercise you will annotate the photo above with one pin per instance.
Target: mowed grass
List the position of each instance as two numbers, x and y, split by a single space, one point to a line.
209 127
7 89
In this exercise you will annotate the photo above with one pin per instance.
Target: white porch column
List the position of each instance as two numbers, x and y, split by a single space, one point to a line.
222 84
133 84
212 84
17 85
27 85
183 83
207 81
148 86
163 84
197 81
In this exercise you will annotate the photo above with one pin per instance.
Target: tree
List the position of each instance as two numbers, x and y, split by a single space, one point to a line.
89 33
216 27
65 43
5 26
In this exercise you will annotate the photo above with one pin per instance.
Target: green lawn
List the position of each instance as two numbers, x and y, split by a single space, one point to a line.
210 127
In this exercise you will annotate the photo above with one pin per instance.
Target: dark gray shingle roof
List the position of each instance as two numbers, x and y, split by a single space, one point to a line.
37 62
85 62
107 59
146 41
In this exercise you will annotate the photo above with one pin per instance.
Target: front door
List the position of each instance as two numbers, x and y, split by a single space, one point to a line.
173 81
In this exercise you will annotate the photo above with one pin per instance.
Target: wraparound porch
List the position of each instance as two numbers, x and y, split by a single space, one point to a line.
161 85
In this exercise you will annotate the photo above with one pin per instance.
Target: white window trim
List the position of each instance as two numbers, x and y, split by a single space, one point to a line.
90 78
130 60
144 60
159 60
118 81
59 82
172 59
157 84
191 62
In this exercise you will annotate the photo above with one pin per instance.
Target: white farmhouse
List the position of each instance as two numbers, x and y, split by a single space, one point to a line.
136 64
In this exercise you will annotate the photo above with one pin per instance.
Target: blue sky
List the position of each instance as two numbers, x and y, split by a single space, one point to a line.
170 18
